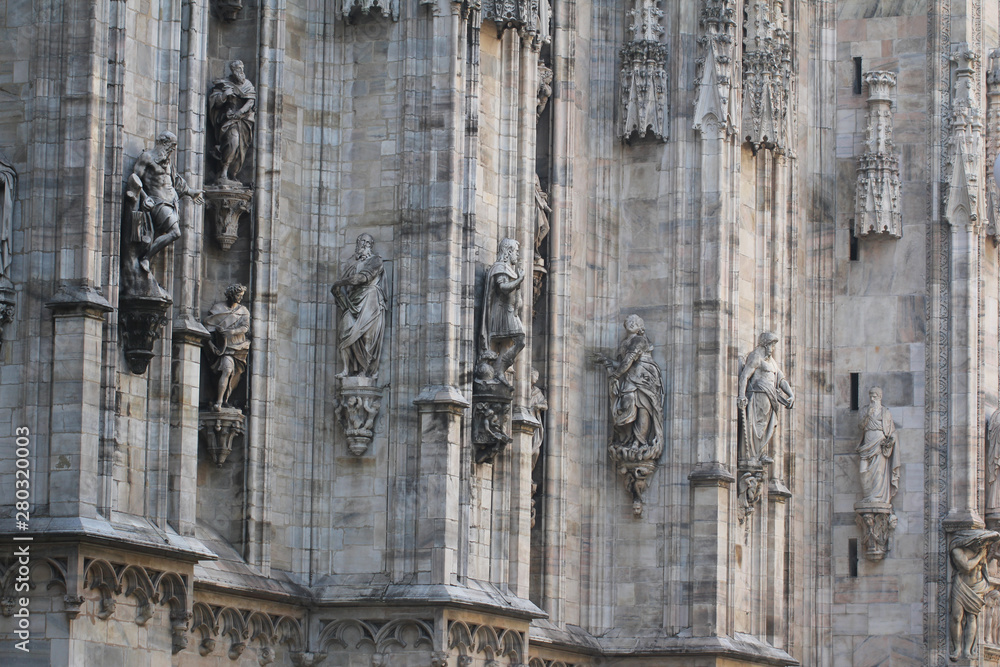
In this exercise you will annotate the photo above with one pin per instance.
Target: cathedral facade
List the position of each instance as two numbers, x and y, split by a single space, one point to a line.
500 333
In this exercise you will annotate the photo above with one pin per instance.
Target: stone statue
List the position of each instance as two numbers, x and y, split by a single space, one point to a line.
877 452
970 582
150 222
767 389
231 110
545 75
363 304
229 324
636 392
502 331
542 210
538 404
7 178
156 190
993 464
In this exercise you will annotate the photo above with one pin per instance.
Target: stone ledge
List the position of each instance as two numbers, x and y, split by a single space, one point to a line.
140 536
740 647
445 396
711 473
477 596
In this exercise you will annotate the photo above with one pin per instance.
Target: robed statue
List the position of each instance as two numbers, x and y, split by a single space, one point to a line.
877 451
232 105
762 390
363 307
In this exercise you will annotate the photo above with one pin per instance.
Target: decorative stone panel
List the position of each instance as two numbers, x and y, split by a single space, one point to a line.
878 206
766 76
715 66
644 74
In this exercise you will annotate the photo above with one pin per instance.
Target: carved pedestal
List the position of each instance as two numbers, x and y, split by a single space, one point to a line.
877 523
227 10
750 485
140 319
6 309
635 474
358 403
227 204
491 406
220 428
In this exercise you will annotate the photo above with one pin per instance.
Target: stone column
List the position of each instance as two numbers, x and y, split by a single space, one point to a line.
963 213
439 475
76 402
715 375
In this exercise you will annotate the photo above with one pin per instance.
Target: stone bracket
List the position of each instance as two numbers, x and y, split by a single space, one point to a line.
141 319
749 489
877 523
491 408
359 400
227 205
220 428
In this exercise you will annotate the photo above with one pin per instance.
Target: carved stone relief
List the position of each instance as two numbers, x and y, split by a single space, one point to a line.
363 306
715 67
223 630
879 474
232 106
878 205
381 638
964 143
635 390
766 75
386 8
150 223
488 643
529 17
501 338
969 585
644 104
762 390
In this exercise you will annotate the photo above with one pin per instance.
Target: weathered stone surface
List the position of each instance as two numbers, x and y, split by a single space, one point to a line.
350 523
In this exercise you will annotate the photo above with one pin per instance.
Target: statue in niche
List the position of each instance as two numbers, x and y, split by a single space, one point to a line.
538 404
7 178
232 104
363 304
767 389
970 582
502 331
156 189
545 75
993 464
879 462
150 222
542 210
229 324
635 389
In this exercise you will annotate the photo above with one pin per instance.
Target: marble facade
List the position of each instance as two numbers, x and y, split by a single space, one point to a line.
702 165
